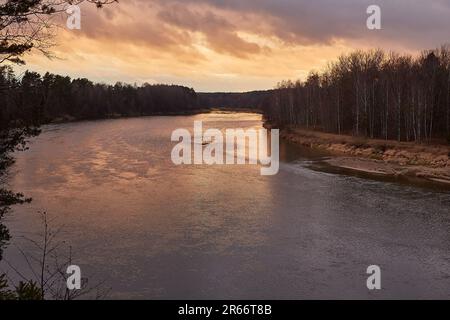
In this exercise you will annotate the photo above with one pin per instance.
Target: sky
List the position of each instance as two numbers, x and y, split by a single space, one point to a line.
233 45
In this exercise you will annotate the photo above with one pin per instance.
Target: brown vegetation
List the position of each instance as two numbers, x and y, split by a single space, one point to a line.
429 161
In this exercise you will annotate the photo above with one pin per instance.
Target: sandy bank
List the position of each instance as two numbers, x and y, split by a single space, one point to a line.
426 161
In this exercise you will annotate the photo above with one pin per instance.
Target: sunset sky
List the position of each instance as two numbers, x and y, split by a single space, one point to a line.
234 45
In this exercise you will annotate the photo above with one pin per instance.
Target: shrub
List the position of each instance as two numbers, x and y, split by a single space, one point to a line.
361 143
381 148
24 291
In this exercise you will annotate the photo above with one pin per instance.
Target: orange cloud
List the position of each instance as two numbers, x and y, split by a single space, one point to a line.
214 45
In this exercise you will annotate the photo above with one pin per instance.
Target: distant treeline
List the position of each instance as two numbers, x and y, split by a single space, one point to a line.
244 100
372 94
35 98
369 94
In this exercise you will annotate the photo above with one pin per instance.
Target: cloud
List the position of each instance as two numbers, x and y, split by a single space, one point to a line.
230 44
220 34
217 24
413 23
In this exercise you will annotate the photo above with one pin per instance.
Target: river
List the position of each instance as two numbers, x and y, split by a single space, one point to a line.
152 230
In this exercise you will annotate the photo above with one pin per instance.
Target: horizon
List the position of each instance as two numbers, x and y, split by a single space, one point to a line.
23 68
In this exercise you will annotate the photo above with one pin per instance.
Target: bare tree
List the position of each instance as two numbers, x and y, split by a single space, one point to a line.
372 94
48 267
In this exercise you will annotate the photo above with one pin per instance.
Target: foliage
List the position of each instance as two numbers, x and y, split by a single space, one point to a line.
235 100
26 25
48 269
5 293
24 291
28 291
35 99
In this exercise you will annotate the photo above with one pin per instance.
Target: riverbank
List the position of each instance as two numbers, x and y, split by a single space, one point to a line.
69 118
379 157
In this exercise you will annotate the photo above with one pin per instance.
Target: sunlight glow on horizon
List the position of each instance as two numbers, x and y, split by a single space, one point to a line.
205 45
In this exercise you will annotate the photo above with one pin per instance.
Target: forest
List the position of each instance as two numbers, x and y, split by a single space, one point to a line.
234 100
371 94
41 99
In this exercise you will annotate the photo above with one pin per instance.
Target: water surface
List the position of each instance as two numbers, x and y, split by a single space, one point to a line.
153 230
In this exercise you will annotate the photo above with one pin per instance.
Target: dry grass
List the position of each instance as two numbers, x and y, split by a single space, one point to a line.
403 153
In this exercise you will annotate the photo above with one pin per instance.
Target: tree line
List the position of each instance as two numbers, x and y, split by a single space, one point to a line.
373 94
234 100
40 99
24 26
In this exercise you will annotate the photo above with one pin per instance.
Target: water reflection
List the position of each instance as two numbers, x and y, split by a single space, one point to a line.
155 230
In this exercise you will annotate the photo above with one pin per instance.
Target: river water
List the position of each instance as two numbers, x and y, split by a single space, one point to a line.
149 229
